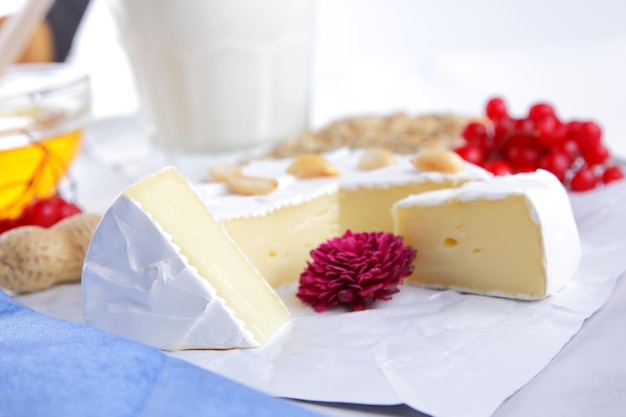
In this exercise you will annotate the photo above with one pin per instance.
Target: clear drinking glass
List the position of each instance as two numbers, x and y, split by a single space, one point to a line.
219 75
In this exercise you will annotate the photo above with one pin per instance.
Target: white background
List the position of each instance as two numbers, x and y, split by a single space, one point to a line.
382 56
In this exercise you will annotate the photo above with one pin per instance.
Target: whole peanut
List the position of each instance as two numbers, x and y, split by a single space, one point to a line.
33 258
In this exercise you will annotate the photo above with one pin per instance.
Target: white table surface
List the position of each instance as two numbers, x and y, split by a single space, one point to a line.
381 56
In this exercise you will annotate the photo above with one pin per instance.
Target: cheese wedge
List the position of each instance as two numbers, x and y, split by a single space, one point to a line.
511 236
162 271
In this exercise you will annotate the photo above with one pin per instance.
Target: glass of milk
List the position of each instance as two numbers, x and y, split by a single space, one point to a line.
219 75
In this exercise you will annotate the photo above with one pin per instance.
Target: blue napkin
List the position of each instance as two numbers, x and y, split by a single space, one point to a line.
51 367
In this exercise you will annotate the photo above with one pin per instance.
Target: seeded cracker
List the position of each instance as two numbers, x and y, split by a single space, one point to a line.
399 133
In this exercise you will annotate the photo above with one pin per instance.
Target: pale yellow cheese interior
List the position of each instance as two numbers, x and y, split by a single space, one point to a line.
279 243
486 246
366 209
207 247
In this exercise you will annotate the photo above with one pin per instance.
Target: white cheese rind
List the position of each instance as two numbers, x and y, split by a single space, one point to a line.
294 191
231 206
136 284
403 172
549 208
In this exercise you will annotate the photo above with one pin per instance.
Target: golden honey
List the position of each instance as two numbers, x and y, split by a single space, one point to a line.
34 170
43 110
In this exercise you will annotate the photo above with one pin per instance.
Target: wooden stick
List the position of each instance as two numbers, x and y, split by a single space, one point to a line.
18 28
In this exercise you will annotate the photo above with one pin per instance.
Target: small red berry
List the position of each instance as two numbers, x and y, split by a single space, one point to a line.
584 180
570 148
68 209
510 147
523 170
524 125
502 128
498 167
8 224
550 132
557 163
586 134
539 111
596 155
574 129
590 135
41 212
612 173
496 109
525 158
474 132
45 212
471 153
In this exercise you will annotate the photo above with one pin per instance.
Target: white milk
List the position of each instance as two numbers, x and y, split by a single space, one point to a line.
219 75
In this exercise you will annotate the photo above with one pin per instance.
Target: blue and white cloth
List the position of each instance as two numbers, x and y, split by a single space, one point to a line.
51 367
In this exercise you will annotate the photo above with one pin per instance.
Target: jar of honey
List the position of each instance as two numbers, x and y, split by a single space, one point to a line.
43 110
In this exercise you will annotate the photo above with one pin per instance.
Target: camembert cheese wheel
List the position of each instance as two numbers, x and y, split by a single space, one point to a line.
278 231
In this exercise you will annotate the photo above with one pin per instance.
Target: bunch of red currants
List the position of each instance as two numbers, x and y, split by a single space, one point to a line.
43 212
573 151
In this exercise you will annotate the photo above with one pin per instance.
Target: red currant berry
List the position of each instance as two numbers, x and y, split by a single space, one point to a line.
471 153
68 209
48 211
584 180
498 167
8 224
612 173
502 128
523 170
550 132
41 212
514 141
475 133
596 155
570 148
524 157
524 125
589 136
539 111
557 163
496 109
574 127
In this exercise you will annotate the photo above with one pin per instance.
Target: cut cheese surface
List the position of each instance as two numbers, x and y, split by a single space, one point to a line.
366 199
368 208
511 236
279 242
162 271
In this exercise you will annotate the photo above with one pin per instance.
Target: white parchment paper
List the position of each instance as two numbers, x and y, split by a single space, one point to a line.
440 352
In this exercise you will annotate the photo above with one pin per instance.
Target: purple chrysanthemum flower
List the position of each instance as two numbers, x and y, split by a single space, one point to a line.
355 269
